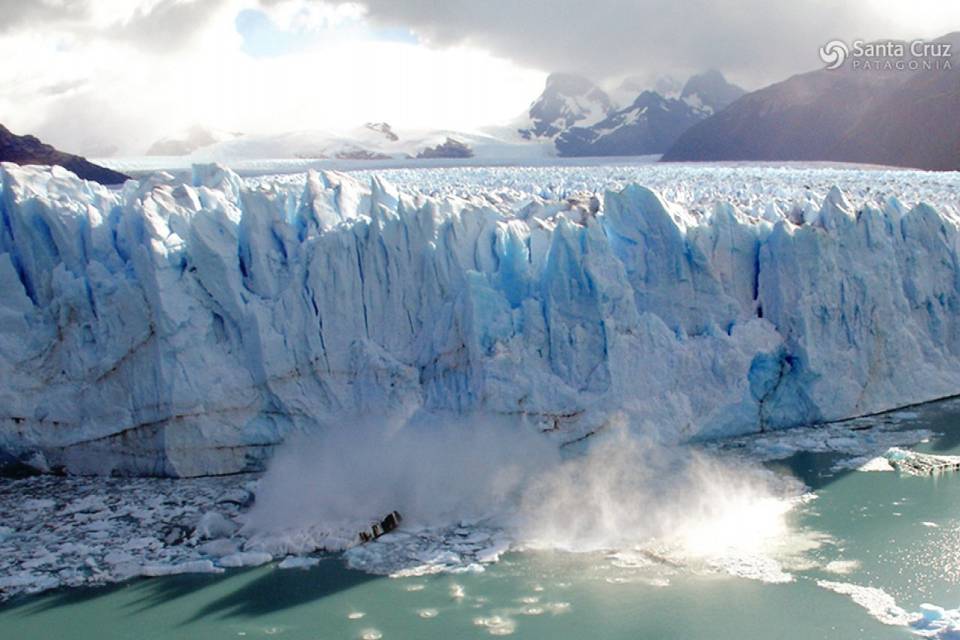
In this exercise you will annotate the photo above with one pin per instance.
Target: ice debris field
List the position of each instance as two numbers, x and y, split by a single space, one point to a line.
185 328
85 531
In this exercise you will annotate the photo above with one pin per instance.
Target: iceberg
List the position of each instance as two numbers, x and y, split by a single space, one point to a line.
185 328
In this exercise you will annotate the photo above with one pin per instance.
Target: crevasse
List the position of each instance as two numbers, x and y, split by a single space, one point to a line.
185 329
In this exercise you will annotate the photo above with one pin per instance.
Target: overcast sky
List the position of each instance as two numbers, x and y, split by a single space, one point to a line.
101 76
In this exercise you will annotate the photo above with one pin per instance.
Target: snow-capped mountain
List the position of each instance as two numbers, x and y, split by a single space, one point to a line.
573 112
709 92
653 122
185 328
585 121
567 100
372 141
630 87
648 126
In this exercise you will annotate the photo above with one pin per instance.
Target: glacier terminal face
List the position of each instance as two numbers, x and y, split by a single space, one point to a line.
183 329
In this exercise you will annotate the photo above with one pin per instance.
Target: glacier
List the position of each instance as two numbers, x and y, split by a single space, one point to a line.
185 327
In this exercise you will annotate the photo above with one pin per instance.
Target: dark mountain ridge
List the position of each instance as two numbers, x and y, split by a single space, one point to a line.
30 150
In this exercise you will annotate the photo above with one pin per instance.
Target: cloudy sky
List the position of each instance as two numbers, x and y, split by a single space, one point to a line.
112 76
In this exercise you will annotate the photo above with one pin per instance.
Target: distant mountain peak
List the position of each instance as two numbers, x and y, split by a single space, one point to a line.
641 117
710 91
567 100
384 128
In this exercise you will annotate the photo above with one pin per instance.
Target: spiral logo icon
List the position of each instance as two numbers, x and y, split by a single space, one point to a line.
834 53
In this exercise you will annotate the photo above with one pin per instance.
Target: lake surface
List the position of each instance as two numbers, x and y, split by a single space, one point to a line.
878 529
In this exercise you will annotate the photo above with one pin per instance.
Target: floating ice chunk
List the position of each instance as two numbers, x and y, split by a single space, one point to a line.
921 464
877 602
842 566
876 464
295 562
118 557
214 524
245 559
937 622
141 543
753 567
194 566
37 504
240 497
87 504
26 581
438 557
220 547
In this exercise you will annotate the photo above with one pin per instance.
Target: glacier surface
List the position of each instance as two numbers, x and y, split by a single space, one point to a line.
183 329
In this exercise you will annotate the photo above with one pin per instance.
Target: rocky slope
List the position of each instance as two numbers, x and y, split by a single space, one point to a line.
893 117
26 150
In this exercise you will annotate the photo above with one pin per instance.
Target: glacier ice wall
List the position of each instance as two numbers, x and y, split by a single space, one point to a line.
184 329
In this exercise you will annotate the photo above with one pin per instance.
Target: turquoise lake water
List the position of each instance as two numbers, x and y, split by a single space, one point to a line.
895 532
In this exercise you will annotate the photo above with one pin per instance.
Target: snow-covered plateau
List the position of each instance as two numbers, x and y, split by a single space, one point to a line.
183 329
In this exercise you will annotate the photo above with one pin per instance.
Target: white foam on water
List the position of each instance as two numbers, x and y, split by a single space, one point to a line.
842 567
878 603
930 621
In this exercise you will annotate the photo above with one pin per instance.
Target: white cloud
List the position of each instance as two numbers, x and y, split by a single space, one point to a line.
94 74
91 85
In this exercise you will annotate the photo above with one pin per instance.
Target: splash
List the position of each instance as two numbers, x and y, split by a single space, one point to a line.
433 474
469 491
628 490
